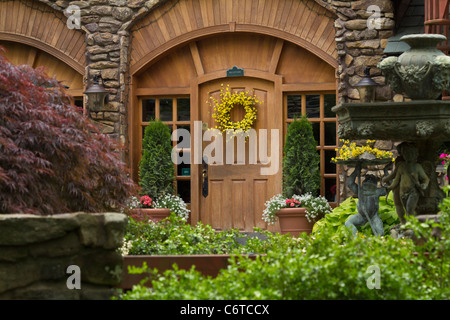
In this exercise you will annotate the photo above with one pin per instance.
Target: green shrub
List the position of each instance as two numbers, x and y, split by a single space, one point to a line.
301 161
173 236
156 169
331 264
320 268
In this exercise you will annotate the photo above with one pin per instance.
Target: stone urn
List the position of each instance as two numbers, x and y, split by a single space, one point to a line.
422 72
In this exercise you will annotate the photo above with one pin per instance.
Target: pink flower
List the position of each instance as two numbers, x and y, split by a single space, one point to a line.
292 204
146 201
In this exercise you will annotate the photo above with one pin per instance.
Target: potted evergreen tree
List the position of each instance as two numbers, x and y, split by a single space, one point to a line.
156 173
298 207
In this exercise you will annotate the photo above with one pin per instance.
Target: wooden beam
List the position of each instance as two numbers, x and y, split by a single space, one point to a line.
276 56
31 59
197 59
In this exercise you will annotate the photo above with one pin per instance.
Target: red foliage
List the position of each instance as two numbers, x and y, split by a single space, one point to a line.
52 158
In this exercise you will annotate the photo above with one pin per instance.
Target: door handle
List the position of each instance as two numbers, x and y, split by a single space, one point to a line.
205 176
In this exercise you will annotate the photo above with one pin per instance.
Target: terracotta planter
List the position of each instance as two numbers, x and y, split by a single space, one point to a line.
144 214
208 265
294 221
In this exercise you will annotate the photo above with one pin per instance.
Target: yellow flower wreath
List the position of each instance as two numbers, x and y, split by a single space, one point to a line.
228 100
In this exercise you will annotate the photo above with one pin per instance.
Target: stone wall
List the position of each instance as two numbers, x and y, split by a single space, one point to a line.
106 24
361 36
36 251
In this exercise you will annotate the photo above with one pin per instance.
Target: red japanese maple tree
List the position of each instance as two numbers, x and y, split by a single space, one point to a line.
53 159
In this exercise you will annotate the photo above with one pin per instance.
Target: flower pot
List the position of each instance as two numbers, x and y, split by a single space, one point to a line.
145 214
294 221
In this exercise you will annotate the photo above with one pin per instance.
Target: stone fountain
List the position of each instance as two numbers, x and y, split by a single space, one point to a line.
422 73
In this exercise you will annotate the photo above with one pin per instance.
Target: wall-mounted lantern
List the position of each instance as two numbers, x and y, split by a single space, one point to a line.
366 87
97 95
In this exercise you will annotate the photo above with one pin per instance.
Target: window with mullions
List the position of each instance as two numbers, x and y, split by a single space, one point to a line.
176 113
317 107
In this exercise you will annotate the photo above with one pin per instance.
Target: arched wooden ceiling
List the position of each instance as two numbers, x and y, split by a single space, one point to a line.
304 23
18 54
40 26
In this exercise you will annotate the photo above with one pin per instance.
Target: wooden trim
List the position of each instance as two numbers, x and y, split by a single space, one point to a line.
323 86
195 168
75 92
247 73
6 36
199 33
161 91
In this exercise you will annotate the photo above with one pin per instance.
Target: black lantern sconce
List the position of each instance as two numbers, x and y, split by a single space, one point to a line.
97 95
366 87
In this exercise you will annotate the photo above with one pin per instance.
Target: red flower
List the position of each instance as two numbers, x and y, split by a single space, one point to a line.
146 201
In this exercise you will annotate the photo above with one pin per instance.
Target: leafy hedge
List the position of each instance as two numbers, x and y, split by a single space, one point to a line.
331 264
173 236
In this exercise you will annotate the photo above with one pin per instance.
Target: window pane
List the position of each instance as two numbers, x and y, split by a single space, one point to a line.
183 109
329 102
78 103
313 106
316 131
181 135
294 106
184 169
148 110
184 190
330 189
329 166
165 110
330 133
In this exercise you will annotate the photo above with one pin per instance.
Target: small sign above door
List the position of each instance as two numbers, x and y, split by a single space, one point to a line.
235 72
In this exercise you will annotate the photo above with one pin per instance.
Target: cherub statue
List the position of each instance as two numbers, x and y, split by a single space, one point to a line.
368 202
409 180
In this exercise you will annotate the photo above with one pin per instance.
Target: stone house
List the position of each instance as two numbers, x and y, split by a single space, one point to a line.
164 58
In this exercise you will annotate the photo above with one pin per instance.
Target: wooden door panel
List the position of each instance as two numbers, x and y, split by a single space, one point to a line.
237 192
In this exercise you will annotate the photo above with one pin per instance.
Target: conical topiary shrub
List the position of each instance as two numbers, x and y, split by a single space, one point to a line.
301 173
156 170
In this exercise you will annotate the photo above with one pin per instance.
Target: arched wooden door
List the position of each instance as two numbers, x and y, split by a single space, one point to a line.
238 189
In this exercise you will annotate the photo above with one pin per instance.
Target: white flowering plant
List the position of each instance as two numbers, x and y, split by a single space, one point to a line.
174 203
316 207
166 201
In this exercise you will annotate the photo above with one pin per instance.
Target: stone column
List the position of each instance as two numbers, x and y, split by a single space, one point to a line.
106 24
362 31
